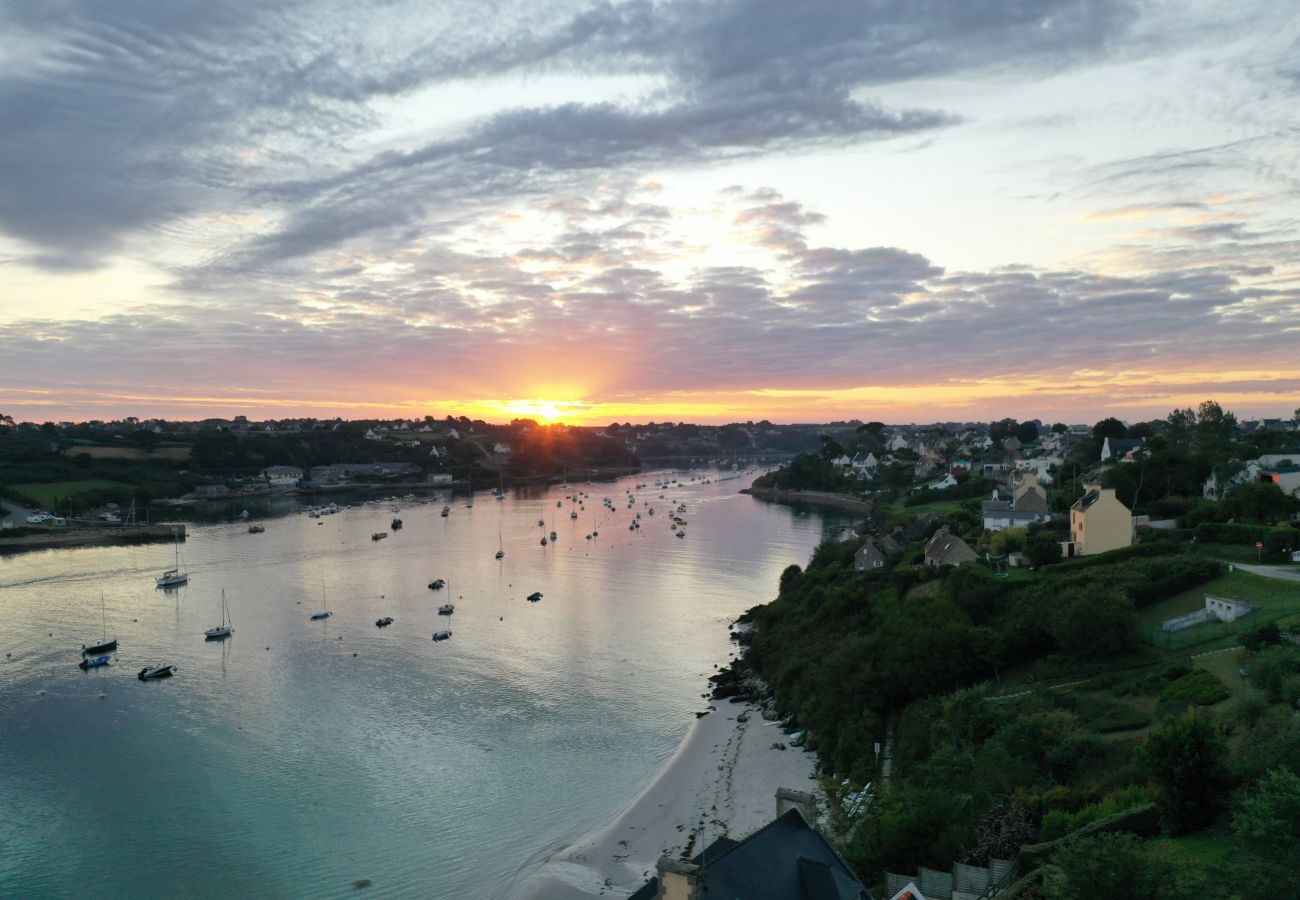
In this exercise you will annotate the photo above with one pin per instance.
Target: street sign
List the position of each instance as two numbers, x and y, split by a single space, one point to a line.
1259 545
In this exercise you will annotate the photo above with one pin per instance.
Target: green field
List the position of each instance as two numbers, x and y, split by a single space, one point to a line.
1276 599
46 494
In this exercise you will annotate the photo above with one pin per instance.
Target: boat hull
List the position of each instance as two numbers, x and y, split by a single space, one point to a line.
99 647
149 673
216 634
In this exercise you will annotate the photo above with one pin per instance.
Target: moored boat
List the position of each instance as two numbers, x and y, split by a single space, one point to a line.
163 670
96 662
442 635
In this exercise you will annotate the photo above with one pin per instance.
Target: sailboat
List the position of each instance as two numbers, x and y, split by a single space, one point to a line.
501 548
226 628
105 642
176 574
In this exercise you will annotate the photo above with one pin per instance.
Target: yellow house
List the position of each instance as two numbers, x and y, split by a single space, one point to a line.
1098 522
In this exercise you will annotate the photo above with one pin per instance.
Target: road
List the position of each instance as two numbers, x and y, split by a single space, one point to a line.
10 511
1283 573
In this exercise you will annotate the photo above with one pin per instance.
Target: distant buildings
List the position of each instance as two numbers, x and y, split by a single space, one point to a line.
282 477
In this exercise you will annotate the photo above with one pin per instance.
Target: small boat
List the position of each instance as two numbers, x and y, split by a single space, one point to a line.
176 574
442 635
105 642
379 535
543 542
501 554
558 503
534 596
256 529
541 523
501 548
165 670
552 535
322 614
681 534
446 511
226 628
446 609
396 524
384 622
573 515
437 584
96 662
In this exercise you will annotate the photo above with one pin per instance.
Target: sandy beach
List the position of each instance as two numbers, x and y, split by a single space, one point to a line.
722 780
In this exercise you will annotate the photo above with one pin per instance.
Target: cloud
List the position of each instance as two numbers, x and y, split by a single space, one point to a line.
124 121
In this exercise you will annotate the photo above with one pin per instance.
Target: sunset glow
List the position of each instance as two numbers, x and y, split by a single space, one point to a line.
568 215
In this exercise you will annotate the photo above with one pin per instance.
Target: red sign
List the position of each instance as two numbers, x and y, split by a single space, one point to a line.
1259 545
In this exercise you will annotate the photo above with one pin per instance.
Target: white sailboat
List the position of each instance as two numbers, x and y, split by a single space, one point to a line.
176 574
226 628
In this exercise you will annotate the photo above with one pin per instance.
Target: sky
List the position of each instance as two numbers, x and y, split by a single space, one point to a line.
649 209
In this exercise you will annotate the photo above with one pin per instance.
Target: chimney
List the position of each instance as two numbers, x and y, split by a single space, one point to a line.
678 880
786 798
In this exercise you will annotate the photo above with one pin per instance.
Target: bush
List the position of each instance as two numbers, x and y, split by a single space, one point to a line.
1196 688
1187 758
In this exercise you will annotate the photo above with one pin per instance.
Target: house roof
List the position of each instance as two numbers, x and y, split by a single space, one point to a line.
784 860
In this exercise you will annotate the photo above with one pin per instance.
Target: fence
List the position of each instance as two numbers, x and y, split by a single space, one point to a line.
962 883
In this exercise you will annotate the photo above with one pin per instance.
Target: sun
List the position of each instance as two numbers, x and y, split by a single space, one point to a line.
545 411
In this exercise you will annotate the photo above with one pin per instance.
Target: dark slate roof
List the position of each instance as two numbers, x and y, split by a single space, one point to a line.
784 860
1120 446
1087 500
995 505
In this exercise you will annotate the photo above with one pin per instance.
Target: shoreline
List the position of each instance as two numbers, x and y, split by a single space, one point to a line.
721 780
94 537
818 498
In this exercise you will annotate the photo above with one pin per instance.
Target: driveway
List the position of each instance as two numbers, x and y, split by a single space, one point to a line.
1284 573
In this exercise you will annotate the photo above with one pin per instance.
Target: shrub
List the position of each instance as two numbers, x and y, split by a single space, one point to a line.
1198 688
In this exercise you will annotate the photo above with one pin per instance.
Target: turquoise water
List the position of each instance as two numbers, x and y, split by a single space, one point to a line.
298 757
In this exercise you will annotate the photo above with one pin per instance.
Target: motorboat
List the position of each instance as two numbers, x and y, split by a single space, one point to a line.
681 534
552 535
543 542
534 596
163 670
446 511
541 523
256 529
573 515
442 635
384 622
322 614
379 535
95 662
437 584
396 524
501 554
446 609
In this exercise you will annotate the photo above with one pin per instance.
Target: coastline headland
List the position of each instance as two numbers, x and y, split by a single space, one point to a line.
93 537
819 498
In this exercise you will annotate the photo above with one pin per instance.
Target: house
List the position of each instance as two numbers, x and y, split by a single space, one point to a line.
944 549
501 448
1285 477
890 544
1098 522
898 443
1027 495
946 481
282 477
999 514
1119 449
843 461
874 554
787 859
866 464
916 531
960 467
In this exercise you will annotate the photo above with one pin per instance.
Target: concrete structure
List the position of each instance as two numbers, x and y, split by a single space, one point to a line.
1217 609
1098 522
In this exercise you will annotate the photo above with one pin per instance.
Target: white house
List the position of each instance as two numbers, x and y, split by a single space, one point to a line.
282 477
843 461
944 482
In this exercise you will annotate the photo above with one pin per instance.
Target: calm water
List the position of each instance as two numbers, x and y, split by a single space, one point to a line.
298 757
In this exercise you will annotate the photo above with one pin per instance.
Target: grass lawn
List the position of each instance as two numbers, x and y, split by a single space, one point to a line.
1191 856
1271 594
102 452
46 494
938 507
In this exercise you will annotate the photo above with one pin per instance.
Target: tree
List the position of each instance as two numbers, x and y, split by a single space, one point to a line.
1005 828
1108 865
1258 502
1043 549
1026 432
1093 623
1269 813
1187 758
1060 428
1008 540
1109 428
